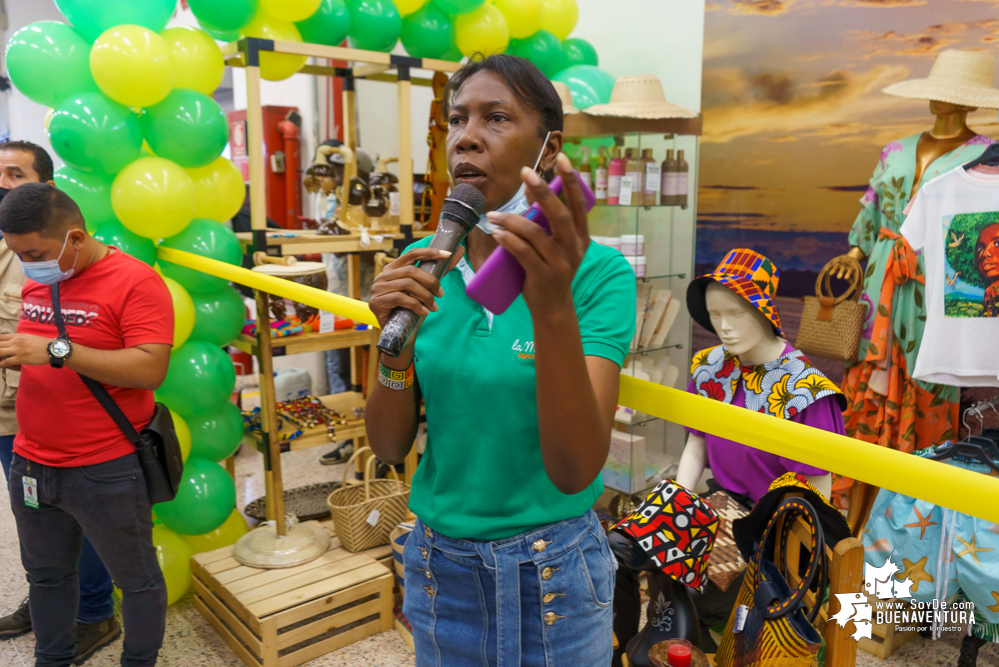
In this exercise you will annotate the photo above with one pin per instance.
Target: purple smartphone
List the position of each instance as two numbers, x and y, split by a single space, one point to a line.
500 279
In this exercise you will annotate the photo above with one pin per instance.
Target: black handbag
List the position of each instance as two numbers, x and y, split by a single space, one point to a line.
157 446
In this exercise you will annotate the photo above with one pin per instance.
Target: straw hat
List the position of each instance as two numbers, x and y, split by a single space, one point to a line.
958 77
565 95
640 97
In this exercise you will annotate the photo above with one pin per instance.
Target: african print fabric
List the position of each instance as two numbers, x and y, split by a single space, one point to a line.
747 273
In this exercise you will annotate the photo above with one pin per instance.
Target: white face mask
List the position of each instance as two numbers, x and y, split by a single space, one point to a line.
518 204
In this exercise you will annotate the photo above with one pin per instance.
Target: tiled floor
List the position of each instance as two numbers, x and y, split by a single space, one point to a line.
190 642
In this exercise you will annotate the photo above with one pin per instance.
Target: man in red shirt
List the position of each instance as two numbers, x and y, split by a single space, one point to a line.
73 468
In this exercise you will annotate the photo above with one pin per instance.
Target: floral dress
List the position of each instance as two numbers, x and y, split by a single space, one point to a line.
885 405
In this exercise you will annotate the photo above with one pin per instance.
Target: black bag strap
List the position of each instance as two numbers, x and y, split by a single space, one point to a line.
793 508
95 387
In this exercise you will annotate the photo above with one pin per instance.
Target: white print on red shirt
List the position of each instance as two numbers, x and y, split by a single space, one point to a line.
75 314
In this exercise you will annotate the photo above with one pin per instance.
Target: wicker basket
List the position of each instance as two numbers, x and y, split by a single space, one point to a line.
307 503
354 506
831 326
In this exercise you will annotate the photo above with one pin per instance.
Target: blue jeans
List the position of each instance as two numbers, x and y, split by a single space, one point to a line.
539 599
96 604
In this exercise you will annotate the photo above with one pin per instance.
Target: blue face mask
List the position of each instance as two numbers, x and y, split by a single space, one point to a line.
518 204
48 272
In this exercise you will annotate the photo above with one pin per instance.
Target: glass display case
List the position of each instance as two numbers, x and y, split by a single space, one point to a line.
659 241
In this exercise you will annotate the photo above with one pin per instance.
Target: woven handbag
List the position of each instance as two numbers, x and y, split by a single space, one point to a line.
777 632
364 513
831 325
725 562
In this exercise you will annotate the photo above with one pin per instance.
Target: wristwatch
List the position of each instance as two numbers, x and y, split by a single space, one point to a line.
60 350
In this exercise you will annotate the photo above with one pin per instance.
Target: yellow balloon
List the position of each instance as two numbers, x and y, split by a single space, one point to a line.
275 66
183 313
48 118
407 7
291 10
482 31
153 197
182 429
226 534
199 61
132 65
523 17
174 556
220 190
560 17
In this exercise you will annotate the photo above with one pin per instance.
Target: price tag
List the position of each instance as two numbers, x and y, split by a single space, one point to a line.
393 203
327 322
373 518
627 185
741 614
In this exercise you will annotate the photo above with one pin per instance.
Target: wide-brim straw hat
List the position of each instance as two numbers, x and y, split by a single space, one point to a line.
639 97
958 77
565 95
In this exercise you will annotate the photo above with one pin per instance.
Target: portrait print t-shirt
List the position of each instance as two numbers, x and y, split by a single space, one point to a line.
954 222
118 302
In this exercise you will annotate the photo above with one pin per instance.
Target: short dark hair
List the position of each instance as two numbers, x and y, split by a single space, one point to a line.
38 207
43 161
522 77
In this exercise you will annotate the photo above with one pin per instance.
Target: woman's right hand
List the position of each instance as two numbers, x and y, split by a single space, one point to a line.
402 284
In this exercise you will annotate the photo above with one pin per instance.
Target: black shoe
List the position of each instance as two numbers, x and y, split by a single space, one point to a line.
338 455
91 637
17 623
969 651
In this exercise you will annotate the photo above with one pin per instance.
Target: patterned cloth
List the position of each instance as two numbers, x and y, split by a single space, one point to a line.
676 528
781 388
912 530
885 405
747 273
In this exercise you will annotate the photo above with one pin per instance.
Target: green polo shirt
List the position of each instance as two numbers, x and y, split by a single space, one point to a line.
482 476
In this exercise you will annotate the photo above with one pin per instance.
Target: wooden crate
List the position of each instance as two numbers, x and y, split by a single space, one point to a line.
284 617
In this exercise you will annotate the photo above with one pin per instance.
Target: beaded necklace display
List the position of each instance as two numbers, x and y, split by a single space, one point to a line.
303 413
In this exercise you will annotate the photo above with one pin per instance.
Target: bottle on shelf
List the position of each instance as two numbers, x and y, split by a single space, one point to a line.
633 170
653 178
668 195
682 179
584 167
614 173
600 176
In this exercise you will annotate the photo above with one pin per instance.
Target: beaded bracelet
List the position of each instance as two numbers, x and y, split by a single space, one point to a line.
393 379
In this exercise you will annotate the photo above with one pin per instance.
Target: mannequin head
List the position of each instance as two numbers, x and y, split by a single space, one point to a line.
938 108
744 330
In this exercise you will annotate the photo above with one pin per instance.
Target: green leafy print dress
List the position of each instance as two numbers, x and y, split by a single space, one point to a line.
886 406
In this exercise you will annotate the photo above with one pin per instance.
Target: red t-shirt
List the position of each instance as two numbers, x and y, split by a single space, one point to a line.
117 303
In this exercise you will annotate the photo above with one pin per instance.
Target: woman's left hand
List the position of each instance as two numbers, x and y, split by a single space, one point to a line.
550 262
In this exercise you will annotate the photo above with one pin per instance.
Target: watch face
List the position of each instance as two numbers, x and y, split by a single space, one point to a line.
60 348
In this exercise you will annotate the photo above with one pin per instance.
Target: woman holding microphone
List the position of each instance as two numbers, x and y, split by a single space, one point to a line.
508 565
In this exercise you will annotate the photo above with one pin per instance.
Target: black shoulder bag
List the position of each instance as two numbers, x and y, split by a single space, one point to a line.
157 445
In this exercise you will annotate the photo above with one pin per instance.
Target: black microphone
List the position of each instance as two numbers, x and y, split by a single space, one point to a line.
460 213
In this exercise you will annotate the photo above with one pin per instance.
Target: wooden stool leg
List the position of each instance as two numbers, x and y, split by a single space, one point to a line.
862 498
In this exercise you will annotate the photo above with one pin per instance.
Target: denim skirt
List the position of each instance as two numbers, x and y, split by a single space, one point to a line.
539 599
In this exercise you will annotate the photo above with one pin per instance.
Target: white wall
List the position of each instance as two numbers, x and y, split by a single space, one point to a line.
26 119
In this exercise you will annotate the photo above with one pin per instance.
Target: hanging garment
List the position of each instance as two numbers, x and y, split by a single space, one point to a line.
942 552
886 406
954 222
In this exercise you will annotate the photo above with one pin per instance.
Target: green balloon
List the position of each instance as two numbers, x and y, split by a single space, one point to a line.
49 61
204 501
187 127
455 7
92 17
220 35
218 316
453 55
542 48
93 133
589 85
216 434
427 32
206 238
578 52
329 25
223 15
374 24
91 192
200 378
114 233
